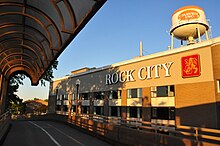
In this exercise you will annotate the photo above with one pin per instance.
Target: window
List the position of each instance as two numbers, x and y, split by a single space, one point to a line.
135 112
218 86
65 108
134 93
163 113
59 97
58 107
99 95
84 96
73 96
98 110
113 111
162 91
115 94
66 97
85 109
74 108
154 113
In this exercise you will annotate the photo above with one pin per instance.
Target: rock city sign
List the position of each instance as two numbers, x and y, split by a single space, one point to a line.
143 73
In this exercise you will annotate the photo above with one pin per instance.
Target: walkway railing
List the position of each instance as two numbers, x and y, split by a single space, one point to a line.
4 125
195 133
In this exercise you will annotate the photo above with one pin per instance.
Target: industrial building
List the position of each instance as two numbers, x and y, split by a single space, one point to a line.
180 86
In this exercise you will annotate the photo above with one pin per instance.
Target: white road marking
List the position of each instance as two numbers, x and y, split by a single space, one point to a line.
67 135
51 137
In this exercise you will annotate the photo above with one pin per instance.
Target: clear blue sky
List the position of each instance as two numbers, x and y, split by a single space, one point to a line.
114 33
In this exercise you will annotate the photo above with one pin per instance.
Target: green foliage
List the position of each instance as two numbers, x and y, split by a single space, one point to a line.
14 102
18 107
48 76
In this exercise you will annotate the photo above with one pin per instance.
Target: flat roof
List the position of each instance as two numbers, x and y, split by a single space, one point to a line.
159 54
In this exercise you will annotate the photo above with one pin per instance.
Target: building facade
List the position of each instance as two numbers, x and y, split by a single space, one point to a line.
178 87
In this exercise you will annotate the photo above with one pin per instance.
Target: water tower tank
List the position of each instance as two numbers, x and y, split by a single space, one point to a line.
187 22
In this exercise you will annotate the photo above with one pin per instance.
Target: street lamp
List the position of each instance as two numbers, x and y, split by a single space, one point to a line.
77 94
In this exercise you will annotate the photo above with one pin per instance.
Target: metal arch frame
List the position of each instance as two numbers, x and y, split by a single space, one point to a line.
20 54
19 32
39 12
44 15
17 54
21 61
89 14
30 27
37 21
28 48
50 33
18 38
71 12
27 69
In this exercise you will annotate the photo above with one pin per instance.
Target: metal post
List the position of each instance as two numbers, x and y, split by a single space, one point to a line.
198 30
207 35
172 41
77 98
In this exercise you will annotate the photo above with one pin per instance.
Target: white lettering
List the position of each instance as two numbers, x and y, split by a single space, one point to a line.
130 76
148 72
156 70
121 77
140 73
114 78
167 68
108 79
143 73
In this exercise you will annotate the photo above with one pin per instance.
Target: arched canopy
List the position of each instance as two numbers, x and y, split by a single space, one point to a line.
33 33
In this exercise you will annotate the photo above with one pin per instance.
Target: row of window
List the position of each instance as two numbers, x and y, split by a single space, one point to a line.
97 95
63 97
132 112
163 113
159 91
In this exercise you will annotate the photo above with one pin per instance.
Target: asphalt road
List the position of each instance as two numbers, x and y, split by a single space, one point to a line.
46 133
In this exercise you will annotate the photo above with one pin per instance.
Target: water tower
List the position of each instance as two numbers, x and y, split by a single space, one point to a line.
188 24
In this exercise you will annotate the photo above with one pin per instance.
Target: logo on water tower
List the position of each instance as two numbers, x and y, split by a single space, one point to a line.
191 66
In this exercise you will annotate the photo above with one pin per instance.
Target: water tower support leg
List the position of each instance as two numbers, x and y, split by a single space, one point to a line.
172 41
207 35
198 33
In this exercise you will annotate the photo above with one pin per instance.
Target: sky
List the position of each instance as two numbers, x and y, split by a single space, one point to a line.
114 33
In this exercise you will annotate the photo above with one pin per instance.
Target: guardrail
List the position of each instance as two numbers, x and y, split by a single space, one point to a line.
4 125
4 116
194 133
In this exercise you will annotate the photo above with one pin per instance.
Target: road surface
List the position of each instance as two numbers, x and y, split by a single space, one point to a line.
47 133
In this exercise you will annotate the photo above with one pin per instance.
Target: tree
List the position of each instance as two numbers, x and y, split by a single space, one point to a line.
48 76
13 100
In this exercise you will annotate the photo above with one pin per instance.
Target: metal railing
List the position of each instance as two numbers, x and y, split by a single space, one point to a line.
4 125
4 116
195 133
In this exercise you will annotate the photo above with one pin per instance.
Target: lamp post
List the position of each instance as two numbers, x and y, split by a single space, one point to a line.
55 104
77 95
